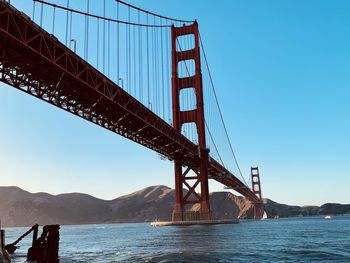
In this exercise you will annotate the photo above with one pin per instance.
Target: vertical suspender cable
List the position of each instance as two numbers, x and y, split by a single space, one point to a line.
162 66
128 52
85 30
104 38
147 51
33 18
156 68
67 21
154 104
118 59
53 20
109 48
98 43
168 72
127 57
86 44
134 72
193 92
41 14
156 88
177 70
70 29
140 57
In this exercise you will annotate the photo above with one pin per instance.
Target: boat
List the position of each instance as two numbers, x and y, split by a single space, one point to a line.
328 217
264 216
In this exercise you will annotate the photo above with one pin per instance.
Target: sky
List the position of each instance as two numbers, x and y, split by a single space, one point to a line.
281 71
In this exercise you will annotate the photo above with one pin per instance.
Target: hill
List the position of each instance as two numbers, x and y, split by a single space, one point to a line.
21 208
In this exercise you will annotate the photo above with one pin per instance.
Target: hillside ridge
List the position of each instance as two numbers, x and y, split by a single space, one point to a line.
22 208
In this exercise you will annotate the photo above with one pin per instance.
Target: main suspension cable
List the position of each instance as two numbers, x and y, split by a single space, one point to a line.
206 124
212 139
220 112
154 14
97 16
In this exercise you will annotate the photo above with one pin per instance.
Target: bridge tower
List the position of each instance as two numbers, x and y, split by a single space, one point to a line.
256 188
182 178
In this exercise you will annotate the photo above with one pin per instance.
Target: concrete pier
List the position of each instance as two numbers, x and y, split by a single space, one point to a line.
194 222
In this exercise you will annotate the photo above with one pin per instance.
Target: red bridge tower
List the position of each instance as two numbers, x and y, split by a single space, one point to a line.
256 188
182 178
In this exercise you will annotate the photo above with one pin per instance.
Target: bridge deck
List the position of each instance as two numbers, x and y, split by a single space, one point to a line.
35 62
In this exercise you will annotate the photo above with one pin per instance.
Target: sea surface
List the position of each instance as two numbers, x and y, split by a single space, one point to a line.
275 240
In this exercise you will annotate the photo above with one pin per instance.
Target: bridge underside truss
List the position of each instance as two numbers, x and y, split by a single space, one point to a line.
36 62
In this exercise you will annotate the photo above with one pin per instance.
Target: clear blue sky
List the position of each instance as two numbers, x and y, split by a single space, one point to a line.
282 73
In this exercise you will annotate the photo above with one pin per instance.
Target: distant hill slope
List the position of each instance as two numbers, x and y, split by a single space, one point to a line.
21 208
274 209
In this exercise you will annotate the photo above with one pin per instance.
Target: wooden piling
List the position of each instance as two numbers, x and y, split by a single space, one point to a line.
2 240
4 257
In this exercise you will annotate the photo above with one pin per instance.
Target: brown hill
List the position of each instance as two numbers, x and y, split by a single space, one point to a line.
21 208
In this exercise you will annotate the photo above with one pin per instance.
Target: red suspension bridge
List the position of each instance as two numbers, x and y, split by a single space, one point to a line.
136 73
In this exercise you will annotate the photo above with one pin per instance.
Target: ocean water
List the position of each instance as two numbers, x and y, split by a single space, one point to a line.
278 240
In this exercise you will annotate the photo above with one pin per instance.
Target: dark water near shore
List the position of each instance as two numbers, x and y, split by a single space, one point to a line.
282 240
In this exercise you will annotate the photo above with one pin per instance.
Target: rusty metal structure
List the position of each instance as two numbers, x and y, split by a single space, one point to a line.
37 63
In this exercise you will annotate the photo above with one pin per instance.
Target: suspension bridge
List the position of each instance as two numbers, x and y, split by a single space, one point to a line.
139 74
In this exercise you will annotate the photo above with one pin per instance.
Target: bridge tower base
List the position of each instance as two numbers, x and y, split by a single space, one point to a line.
194 179
259 210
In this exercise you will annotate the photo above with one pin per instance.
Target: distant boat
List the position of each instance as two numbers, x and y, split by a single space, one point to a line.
264 216
327 217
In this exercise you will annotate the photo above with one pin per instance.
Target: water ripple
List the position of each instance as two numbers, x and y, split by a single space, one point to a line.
283 240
